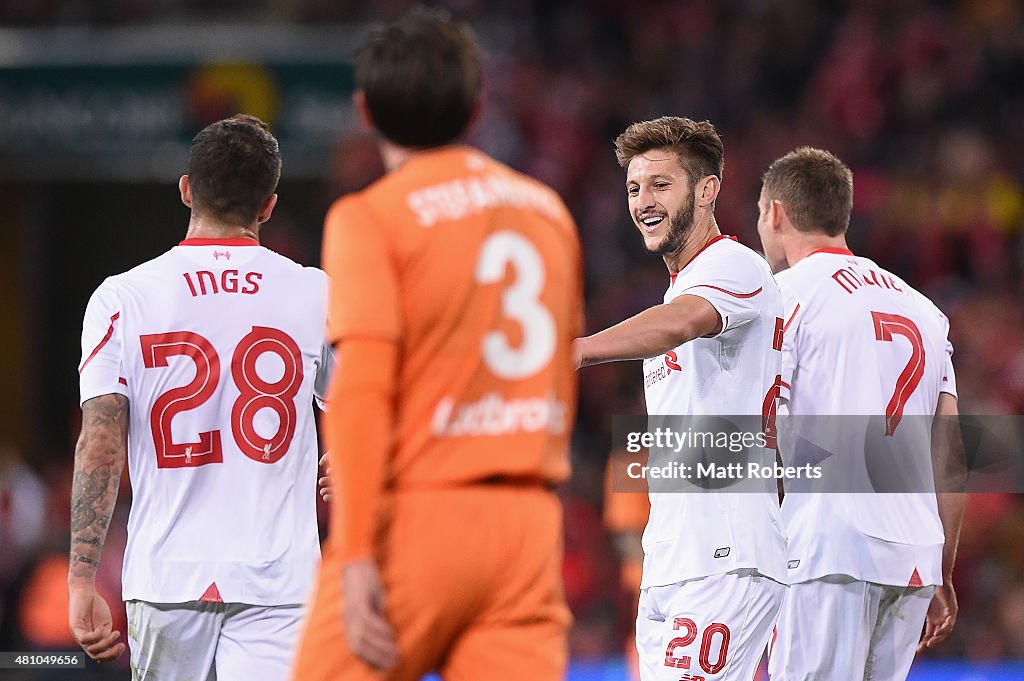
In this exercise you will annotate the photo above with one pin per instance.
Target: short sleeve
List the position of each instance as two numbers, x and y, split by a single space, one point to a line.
734 291
101 371
363 296
324 371
948 381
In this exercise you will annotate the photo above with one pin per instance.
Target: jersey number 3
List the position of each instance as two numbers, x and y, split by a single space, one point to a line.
519 302
886 326
255 394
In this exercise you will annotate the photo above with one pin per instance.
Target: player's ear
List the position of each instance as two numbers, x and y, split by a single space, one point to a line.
266 209
777 214
707 190
186 191
362 111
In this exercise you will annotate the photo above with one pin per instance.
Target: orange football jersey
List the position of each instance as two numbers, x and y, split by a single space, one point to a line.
475 270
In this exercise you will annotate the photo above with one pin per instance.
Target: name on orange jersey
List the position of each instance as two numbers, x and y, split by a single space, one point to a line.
494 415
851 280
457 199
205 282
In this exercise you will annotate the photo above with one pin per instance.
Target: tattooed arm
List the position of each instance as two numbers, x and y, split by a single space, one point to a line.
99 458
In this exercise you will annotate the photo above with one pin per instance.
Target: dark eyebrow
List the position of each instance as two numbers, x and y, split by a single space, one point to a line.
652 178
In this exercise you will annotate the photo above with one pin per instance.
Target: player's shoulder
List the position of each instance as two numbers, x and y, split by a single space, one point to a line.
346 205
139 272
795 282
287 263
901 285
125 285
108 292
458 177
724 255
301 276
547 193
811 268
804 280
725 246
927 305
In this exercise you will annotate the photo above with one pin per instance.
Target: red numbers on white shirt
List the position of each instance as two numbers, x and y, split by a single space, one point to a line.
256 394
887 325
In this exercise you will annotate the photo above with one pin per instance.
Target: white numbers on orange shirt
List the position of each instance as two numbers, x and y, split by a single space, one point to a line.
519 302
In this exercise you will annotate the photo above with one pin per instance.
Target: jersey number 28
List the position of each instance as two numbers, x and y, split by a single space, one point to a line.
255 394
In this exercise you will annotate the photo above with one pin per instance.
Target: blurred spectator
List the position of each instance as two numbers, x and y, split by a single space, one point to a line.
22 512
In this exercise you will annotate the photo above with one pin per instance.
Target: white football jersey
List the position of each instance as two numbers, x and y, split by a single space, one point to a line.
861 344
217 345
696 534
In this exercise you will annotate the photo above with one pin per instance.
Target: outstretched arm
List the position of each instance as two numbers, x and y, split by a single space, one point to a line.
950 466
652 332
99 458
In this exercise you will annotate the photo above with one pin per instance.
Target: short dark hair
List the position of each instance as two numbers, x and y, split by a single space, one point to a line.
814 187
421 78
233 166
696 144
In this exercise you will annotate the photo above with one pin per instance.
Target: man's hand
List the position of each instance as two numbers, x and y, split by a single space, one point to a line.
91 624
324 483
941 617
367 629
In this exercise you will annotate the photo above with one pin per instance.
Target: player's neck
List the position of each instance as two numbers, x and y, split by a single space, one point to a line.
805 244
200 227
395 156
702 233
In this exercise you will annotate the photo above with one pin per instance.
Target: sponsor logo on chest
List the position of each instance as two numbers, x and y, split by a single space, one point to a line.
657 369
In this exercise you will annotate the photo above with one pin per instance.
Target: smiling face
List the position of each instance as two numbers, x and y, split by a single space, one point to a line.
661 200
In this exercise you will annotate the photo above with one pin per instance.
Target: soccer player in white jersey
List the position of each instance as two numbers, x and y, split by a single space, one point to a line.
866 571
199 368
714 563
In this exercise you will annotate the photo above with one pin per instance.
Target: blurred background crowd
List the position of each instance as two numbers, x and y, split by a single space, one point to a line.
923 99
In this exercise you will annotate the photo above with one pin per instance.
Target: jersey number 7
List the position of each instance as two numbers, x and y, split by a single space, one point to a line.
887 325
256 394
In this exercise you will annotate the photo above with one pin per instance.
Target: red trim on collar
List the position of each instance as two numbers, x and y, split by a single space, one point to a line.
833 251
242 241
704 248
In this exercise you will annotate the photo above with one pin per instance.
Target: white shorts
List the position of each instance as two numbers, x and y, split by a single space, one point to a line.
202 641
709 629
840 629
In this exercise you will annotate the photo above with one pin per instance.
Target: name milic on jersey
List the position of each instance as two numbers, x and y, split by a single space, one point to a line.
851 279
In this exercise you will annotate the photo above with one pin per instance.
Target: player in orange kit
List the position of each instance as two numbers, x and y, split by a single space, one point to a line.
455 295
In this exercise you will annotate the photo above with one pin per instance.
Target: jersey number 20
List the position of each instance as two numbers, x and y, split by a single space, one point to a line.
256 394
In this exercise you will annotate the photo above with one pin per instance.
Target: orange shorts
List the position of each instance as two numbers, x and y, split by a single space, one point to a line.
474 590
